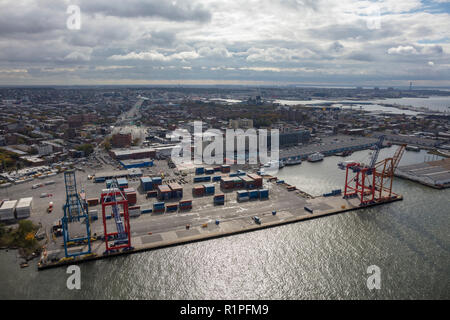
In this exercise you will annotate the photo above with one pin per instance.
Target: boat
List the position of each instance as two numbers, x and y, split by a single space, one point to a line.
412 148
293 161
343 164
274 164
344 153
315 157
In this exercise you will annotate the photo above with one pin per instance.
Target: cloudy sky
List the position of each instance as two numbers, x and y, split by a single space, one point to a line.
273 42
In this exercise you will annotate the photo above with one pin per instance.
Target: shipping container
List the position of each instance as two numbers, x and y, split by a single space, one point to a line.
219 199
198 191
199 170
146 183
152 194
254 194
198 179
216 178
309 209
147 210
185 205
123 183
7 210
164 192
227 183
49 182
131 197
209 189
209 170
159 207
23 207
177 190
249 183
171 207
263 193
134 212
258 181
93 214
225 168
156 181
238 183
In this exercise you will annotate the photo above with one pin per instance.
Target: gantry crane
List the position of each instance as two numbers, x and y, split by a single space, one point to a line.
373 182
74 211
121 238
384 174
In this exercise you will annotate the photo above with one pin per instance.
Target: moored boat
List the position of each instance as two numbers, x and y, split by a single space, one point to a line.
315 157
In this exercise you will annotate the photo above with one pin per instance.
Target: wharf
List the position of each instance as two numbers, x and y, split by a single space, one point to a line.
240 222
434 174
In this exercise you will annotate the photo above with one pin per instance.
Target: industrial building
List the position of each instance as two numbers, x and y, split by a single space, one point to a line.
138 153
142 163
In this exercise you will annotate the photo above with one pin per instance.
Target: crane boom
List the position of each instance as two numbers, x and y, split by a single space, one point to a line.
378 147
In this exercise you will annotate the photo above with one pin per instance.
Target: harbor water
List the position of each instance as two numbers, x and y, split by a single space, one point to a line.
325 258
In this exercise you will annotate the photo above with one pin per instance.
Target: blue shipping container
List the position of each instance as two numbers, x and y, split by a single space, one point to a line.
209 188
242 194
199 170
254 194
263 193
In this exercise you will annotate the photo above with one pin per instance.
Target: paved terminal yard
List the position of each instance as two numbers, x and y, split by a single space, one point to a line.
153 230
435 174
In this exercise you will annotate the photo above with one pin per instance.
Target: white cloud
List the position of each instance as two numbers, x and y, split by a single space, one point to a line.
156 56
403 50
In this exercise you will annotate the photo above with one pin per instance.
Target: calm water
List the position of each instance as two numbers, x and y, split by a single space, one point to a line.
322 258
435 103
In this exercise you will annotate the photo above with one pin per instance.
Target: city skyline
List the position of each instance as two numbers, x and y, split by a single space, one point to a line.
327 43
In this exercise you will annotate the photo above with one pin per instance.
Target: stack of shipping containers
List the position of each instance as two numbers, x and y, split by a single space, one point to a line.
23 208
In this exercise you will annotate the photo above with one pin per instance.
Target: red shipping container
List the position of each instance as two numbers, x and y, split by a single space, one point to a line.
198 191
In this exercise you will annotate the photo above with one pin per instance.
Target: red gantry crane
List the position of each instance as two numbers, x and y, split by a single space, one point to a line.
121 238
372 183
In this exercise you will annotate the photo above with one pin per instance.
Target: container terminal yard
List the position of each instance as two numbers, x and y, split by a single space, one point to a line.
99 212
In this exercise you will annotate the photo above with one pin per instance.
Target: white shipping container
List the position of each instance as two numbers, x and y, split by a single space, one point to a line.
134 212
23 208
7 210
49 182
93 213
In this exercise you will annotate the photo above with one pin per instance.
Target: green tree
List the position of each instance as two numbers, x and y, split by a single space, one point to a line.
87 148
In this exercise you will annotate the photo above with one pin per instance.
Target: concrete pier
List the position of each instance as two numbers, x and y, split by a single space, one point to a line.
240 222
